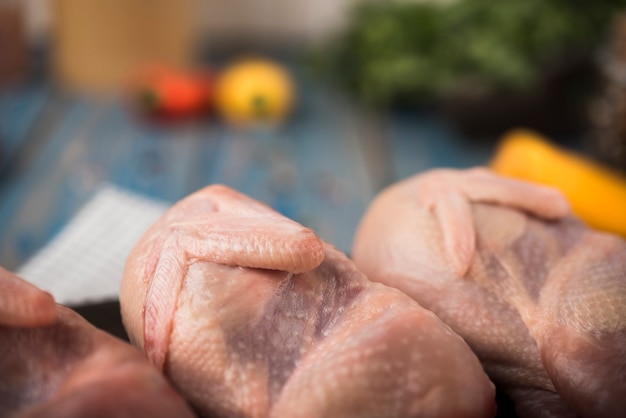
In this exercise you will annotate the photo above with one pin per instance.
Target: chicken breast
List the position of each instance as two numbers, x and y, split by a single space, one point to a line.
53 364
541 302
251 315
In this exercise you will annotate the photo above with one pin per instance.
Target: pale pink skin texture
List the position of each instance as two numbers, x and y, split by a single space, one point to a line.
542 303
53 364
22 304
251 315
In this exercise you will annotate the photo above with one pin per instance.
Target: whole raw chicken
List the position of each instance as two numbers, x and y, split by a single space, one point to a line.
542 303
54 364
251 315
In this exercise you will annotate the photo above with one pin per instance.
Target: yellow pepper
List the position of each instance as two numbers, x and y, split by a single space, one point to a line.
250 91
596 193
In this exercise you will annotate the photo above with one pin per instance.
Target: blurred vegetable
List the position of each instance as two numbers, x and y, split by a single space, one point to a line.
398 51
166 92
252 91
597 194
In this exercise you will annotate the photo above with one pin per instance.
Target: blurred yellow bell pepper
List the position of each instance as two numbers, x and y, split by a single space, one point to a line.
251 91
596 193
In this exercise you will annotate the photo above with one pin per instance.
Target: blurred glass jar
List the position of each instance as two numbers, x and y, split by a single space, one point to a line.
98 43
607 141
13 49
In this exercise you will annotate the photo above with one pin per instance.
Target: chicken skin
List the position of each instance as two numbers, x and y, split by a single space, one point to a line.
539 297
250 314
53 363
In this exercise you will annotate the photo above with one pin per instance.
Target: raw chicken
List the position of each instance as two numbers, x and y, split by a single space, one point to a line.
542 303
251 315
22 304
55 364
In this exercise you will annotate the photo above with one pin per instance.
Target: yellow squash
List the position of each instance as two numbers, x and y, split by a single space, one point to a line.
596 193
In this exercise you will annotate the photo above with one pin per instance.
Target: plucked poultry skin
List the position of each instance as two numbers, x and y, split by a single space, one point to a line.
54 364
541 302
252 315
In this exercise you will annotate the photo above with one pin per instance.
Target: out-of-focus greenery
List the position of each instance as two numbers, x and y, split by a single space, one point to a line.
397 51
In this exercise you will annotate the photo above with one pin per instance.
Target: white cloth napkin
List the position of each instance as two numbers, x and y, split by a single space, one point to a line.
85 261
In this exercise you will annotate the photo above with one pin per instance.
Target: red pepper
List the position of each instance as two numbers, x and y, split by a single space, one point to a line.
170 93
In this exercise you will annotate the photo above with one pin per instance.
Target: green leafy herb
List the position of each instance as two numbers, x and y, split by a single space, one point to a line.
403 51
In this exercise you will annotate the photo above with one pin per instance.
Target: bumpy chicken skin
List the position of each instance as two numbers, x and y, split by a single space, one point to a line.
542 303
53 363
22 304
251 315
